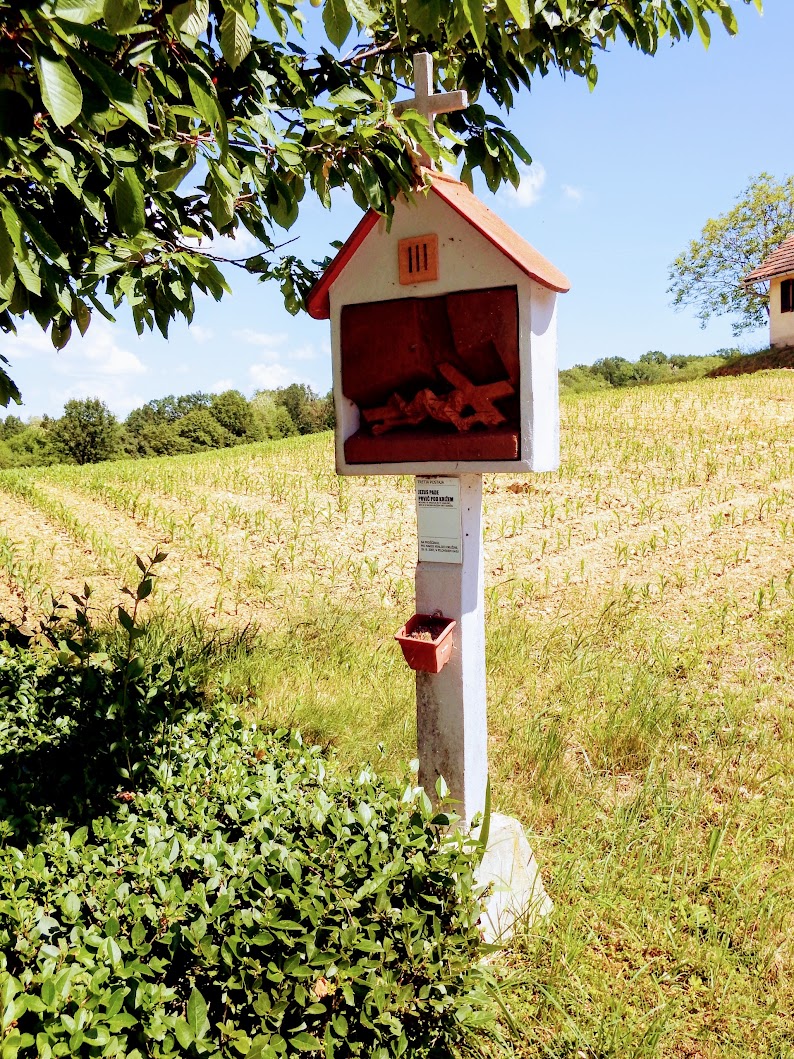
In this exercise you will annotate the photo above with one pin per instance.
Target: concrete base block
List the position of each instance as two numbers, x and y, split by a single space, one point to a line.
516 896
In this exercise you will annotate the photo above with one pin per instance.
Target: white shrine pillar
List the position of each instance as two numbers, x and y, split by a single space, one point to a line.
451 720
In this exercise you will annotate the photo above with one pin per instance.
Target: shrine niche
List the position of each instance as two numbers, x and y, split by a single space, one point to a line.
443 335
433 378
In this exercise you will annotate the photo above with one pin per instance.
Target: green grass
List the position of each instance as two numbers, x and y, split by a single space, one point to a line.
640 639
658 789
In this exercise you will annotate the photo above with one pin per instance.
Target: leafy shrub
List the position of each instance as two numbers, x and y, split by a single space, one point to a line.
581 379
29 447
174 881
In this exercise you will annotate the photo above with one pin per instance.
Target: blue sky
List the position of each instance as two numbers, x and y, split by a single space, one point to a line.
622 179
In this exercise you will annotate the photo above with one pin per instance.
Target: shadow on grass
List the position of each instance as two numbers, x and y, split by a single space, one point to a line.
82 724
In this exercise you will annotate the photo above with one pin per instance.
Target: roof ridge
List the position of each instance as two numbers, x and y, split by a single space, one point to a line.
777 263
462 200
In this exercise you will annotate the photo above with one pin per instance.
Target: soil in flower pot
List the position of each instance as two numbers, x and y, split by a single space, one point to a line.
426 642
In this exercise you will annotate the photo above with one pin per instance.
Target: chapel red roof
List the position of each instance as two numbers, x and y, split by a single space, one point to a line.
779 262
462 201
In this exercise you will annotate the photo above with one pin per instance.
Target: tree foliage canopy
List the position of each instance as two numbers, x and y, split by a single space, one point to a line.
87 432
708 275
132 129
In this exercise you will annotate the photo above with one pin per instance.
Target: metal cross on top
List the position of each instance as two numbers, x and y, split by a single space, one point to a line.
428 103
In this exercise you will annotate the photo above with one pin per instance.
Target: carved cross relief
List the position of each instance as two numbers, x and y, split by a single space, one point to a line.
428 103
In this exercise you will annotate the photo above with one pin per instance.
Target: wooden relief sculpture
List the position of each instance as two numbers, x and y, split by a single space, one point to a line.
433 378
465 406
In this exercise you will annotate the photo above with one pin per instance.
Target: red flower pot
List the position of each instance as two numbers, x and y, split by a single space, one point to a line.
426 642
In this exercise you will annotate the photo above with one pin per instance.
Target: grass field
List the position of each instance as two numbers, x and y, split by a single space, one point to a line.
640 646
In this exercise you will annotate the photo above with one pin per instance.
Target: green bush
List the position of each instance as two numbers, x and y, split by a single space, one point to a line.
581 379
174 881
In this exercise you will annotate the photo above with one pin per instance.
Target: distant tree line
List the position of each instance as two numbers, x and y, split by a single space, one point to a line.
652 367
88 431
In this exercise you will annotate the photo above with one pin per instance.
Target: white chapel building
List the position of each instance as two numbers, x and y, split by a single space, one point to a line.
778 269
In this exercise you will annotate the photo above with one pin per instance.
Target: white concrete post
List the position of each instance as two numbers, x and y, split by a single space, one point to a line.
451 723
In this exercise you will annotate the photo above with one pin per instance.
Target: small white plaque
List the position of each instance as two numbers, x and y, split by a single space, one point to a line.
438 519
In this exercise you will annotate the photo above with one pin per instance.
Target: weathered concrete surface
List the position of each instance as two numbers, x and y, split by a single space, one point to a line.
451 724
516 896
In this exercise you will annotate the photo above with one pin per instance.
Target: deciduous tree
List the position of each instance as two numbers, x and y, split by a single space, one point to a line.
707 277
236 415
87 432
130 130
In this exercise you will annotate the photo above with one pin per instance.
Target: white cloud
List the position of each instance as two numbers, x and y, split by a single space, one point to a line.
222 385
275 358
573 194
302 353
201 334
528 191
97 356
241 244
99 364
260 338
97 353
271 346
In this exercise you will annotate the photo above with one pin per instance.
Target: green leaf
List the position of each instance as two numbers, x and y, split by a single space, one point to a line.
519 9
116 1001
305 1042
60 92
704 29
183 1033
71 905
191 18
284 207
8 388
83 12
120 92
145 588
43 240
60 336
729 20
235 38
82 315
221 203
197 1015
128 200
29 276
468 17
6 252
425 15
121 15
99 38
136 667
172 178
366 15
205 100
337 21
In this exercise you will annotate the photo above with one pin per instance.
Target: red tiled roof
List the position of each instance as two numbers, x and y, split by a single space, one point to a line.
778 263
463 202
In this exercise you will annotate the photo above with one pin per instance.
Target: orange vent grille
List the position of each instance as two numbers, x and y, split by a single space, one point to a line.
418 259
